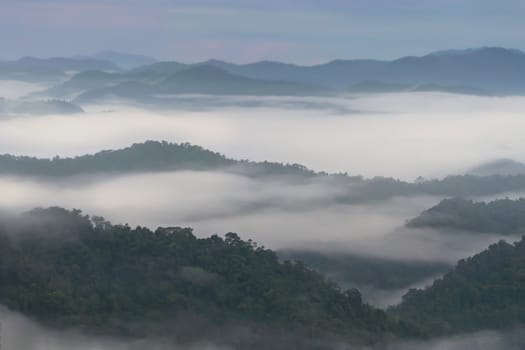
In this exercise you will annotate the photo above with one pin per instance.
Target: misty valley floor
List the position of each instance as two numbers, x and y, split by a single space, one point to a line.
356 134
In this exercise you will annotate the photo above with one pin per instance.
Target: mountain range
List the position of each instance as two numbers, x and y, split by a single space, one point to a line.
487 70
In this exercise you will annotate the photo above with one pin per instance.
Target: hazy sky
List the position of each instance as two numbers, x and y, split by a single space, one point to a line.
303 31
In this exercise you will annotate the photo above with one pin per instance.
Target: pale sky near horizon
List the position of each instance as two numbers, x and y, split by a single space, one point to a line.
299 31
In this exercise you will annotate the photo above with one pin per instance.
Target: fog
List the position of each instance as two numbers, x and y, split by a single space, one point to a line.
395 135
275 212
398 135
20 333
384 298
11 89
489 340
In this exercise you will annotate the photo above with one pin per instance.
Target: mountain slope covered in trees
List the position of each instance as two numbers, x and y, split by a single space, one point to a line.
150 156
70 270
504 216
485 291
154 156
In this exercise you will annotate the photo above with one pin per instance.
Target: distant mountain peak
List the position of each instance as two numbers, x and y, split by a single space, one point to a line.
484 49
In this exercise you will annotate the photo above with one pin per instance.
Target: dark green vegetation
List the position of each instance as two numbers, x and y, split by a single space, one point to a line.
69 270
483 292
150 156
355 270
153 156
503 216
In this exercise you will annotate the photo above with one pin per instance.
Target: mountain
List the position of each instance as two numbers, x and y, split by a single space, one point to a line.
470 51
211 80
490 69
124 60
69 270
49 69
153 156
483 292
161 68
204 79
150 156
484 71
87 80
487 70
502 216
98 83
499 167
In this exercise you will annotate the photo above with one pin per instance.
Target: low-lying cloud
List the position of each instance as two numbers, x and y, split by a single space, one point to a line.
276 212
22 333
398 135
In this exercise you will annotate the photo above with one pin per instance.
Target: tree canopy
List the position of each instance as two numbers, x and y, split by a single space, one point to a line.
502 216
68 269
485 291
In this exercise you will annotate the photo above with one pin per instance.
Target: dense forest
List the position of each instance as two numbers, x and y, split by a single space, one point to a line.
502 216
70 270
150 156
155 156
483 292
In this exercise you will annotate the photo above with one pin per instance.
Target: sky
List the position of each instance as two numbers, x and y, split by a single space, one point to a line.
297 31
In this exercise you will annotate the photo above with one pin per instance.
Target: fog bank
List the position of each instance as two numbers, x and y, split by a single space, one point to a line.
21 333
398 135
277 213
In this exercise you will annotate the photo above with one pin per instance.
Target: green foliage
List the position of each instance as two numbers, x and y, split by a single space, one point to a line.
67 269
153 156
503 216
150 156
483 292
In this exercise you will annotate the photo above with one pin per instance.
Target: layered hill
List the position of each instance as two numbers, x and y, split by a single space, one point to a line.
153 156
483 292
503 216
482 71
49 69
207 80
493 69
69 270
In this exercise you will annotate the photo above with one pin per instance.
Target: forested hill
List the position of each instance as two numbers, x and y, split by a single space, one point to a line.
483 292
150 156
155 156
503 216
70 270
